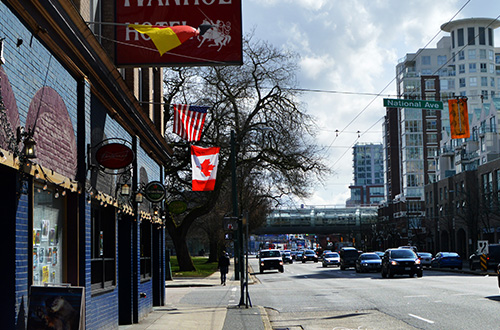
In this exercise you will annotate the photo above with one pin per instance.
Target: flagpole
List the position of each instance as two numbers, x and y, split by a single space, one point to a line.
108 23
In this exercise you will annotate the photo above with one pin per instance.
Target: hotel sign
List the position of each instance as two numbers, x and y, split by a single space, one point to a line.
221 45
414 104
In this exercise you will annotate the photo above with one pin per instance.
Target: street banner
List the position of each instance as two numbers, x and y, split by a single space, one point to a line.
459 118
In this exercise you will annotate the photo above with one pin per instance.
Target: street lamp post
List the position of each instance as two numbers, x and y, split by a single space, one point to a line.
239 272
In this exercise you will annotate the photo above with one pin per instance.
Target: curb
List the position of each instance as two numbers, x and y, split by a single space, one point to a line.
265 318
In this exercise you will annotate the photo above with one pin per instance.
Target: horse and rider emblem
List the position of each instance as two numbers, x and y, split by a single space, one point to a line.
218 34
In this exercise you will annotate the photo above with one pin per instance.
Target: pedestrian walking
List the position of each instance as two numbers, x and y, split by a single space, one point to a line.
223 267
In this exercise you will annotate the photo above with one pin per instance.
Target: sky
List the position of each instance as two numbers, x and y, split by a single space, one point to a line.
348 48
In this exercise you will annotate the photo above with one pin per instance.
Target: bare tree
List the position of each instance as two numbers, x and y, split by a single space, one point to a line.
273 134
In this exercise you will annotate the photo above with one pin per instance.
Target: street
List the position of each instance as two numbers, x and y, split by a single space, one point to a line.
308 296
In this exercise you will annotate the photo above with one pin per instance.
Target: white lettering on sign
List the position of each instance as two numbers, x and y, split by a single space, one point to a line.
162 3
430 105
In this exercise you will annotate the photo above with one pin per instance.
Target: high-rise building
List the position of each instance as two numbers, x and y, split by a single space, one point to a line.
368 187
464 64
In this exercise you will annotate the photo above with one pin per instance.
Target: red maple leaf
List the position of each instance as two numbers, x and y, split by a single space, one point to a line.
206 167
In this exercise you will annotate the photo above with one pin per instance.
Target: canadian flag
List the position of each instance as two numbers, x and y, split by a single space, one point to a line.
204 163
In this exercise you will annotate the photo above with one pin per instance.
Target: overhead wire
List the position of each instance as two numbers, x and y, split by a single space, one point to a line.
377 95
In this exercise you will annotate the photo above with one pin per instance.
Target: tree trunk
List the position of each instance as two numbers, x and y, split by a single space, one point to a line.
183 256
214 251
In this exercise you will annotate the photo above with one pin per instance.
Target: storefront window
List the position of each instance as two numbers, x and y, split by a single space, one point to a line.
103 247
145 250
48 222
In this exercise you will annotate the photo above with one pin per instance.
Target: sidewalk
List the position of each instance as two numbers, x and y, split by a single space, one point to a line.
175 315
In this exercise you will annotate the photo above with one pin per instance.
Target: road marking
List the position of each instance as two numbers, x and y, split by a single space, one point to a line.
418 296
234 289
421 318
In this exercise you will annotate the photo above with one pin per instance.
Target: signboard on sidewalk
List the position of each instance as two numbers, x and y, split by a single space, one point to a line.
414 104
56 307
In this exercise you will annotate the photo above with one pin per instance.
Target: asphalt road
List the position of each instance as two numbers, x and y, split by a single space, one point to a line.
308 296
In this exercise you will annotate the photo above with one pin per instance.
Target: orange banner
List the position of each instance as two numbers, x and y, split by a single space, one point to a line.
459 118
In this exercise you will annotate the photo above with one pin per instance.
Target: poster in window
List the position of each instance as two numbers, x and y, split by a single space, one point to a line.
52 236
56 307
101 243
45 274
45 230
41 255
54 256
49 255
35 258
36 239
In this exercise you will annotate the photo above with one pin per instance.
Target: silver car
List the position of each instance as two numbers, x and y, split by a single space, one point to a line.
331 259
425 258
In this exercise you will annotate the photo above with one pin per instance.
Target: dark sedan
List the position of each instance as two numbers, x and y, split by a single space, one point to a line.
309 255
401 261
368 262
447 260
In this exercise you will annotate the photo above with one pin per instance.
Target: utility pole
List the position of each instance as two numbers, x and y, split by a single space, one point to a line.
236 215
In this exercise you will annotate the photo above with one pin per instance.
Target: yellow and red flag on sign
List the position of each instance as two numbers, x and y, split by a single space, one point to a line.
166 38
459 118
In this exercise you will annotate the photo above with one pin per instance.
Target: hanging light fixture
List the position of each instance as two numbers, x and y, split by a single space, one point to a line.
125 190
139 197
29 147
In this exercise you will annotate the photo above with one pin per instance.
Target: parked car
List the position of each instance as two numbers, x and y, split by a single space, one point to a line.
294 254
447 260
348 257
287 257
270 259
309 255
367 262
492 259
401 261
425 258
331 259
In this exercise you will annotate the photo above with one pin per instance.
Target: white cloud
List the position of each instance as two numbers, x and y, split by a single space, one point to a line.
352 46
314 67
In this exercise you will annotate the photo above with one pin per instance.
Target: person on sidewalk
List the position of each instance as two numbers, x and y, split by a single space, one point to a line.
223 267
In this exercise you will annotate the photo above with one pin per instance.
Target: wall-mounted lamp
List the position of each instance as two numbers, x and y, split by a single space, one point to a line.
29 149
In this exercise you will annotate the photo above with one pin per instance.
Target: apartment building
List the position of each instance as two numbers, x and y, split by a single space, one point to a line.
418 149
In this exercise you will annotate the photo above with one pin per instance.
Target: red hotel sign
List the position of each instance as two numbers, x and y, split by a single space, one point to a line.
221 45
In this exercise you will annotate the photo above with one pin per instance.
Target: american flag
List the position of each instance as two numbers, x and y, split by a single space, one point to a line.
189 120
